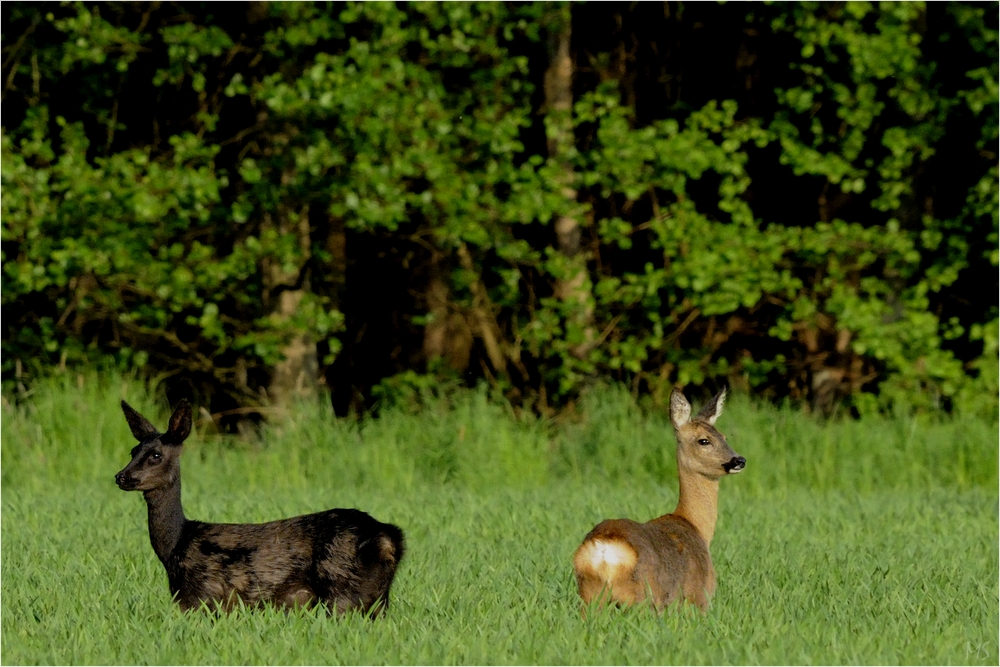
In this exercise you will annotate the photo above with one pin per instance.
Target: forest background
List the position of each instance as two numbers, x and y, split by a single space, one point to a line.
312 209
251 201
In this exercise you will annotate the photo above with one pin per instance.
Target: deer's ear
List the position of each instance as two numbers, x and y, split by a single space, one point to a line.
141 428
680 409
180 424
711 411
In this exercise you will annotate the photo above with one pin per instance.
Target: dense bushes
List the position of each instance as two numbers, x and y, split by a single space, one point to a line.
801 199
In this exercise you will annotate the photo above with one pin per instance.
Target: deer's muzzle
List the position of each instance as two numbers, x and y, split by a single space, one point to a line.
125 482
735 464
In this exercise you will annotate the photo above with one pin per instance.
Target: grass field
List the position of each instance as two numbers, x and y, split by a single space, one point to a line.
842 542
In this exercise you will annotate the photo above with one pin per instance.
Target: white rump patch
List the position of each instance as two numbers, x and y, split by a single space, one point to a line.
607 558
609 553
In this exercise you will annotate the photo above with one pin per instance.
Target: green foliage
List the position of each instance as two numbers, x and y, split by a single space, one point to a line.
891 113
165 235
857 552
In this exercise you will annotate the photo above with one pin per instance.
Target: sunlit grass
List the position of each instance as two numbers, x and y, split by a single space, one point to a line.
855 542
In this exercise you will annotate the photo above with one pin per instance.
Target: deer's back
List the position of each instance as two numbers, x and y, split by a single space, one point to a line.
623 559
680 560
343 558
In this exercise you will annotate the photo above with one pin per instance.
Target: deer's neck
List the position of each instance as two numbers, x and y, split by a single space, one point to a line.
166 518
699 502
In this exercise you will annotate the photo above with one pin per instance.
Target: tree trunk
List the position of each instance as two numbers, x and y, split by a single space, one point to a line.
447 335
574 287
296 375
339 375
482 315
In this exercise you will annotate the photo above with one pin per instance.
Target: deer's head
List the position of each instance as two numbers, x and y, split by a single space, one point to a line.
700 447
156 459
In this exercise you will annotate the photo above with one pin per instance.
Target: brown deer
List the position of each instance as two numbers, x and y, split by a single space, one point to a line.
342 558
666 559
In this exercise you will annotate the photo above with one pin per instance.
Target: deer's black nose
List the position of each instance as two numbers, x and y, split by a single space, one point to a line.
121 480
736 464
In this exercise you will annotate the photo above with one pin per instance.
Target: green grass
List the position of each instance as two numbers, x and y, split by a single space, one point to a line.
845 542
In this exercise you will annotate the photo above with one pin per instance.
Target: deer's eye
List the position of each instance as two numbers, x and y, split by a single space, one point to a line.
155 457
704 441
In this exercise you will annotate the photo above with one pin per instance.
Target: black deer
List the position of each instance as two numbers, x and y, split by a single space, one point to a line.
342 558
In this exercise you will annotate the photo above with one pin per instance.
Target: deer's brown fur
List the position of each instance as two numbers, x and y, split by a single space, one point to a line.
667 559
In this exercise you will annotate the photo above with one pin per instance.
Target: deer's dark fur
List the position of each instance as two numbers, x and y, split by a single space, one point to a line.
342 558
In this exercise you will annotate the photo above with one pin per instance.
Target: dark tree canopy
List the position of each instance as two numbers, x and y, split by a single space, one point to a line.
255 199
